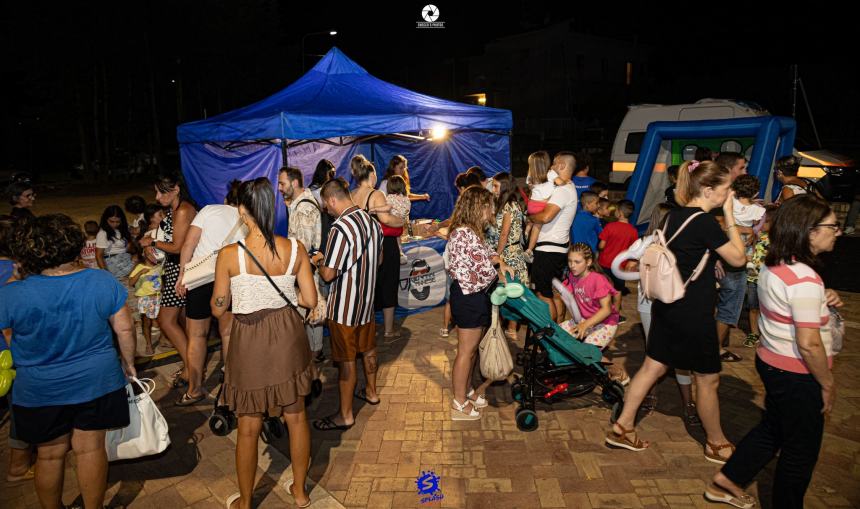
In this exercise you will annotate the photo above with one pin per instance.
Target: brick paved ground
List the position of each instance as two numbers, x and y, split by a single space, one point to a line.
488 463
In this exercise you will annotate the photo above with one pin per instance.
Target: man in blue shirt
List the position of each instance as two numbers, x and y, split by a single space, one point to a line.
586 227
581 180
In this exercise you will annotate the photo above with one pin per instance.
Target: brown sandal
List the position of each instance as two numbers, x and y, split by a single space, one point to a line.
621 440
714 455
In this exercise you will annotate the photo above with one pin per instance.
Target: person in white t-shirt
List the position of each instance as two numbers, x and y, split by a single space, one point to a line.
214 227
543 181
550 255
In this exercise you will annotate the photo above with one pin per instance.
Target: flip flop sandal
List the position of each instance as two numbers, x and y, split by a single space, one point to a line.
621 440
725 497
444 333
327 424
391 337
178 381
290 493
187 400
728 356
234 497
362 395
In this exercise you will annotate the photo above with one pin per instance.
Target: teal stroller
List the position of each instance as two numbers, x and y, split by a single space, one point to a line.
555 364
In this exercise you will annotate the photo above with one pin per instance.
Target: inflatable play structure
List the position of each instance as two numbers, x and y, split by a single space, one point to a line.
767 138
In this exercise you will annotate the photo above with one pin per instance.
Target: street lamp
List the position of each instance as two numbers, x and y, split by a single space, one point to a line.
328 32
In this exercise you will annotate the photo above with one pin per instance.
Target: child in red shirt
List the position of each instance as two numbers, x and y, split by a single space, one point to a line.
615 238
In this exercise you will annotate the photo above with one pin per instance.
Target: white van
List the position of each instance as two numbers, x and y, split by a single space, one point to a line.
628 141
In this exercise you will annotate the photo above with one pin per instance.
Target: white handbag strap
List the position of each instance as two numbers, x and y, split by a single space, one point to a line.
495 319
232 232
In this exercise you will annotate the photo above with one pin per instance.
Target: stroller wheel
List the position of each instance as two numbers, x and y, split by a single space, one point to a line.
527 420
222 422
613 393
616 411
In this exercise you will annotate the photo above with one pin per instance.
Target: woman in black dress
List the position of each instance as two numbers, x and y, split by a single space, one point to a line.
170 193
683 334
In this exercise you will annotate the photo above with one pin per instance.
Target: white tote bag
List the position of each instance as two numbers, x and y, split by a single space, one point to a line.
496 361
146 433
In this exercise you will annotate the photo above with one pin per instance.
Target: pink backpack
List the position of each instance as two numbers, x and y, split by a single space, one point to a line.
658 270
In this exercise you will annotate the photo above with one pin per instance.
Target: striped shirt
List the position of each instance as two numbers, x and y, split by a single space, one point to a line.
791 296
354 249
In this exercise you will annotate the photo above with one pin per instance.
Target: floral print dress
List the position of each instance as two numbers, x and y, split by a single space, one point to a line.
513 254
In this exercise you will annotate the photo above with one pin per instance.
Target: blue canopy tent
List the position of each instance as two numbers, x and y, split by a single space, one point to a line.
337 110
774 138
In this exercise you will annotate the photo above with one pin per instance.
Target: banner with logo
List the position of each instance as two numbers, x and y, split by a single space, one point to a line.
423 281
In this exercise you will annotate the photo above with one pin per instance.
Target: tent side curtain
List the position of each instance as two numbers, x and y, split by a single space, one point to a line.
433 166
209 169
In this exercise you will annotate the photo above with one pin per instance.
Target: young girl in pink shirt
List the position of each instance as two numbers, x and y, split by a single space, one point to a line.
593 294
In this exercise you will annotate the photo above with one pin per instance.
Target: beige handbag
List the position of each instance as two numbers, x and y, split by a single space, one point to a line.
496 361
201 271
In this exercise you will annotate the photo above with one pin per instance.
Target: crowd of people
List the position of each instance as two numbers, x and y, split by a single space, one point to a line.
272 296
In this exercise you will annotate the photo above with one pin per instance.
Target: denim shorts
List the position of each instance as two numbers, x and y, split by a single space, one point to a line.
752 295
733 288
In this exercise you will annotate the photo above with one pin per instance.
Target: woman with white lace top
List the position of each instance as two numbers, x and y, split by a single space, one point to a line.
269 361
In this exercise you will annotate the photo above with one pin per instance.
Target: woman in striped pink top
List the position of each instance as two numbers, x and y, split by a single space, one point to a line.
794 359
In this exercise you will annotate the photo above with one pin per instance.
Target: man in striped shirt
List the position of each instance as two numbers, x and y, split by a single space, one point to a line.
353 254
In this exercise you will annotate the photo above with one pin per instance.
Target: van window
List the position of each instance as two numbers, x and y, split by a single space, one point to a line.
634 143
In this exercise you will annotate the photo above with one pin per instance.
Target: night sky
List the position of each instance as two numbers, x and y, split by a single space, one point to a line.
88 74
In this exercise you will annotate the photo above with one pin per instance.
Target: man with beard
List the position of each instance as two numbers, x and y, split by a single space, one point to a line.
304 224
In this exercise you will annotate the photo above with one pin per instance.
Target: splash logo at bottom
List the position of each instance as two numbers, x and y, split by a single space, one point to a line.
428 484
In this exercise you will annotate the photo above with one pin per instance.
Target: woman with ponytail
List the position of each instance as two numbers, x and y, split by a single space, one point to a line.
683 334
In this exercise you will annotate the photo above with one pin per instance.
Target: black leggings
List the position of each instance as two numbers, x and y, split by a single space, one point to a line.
793 426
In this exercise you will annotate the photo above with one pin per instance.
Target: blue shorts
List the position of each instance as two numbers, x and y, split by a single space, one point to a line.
730 303
752 295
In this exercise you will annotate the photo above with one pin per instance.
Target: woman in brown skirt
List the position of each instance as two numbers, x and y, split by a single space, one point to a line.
269 361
